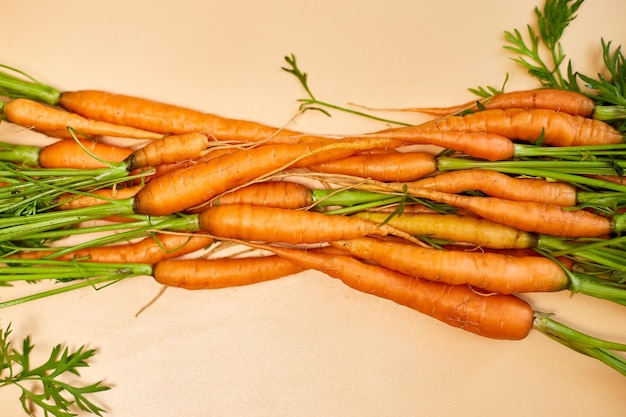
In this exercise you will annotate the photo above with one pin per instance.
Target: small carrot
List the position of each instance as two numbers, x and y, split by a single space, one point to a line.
548 126
45 118
566 101
259 223
200 274
199 183
69 153
150 250
169 150
501 185
493 272
397 166
496 316
454 228
70 201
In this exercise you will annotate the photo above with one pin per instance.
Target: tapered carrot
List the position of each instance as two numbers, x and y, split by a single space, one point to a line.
454 228
150 250
169 150
493 272
397 166
259 223
496 316
548 126
45 118
197 184
70 201
500 185
548 98
68 153
197 274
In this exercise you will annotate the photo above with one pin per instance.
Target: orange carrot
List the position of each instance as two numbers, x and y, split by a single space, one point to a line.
501 185
69 201
169 150
552 127
45 118
398 166
554 99
197 184
149 250
454 228
197 274
68 153
161 117
493 272
496 316
259 223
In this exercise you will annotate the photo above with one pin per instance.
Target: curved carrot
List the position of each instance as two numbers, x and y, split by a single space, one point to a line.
259 223
495 316
501 185
161 117
398 166
547 98
197 274
489 271
45 118
454 228
550 126
70 201
169 150
68 153
195 185
149 250
524 215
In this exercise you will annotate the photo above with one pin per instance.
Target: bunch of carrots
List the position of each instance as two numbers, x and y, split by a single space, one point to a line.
524 194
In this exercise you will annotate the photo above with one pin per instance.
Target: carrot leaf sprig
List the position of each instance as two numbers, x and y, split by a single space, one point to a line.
18 84
312 103
60 396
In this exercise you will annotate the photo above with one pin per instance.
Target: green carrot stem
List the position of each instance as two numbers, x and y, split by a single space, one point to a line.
27 87
346 198
581 153
608 113
23 154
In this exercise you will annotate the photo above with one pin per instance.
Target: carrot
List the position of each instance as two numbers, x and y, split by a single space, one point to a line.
169 150
398 166
566 101
455 228
162 118
496 316
196 274
68 201
150 250
197 184
493 272
500 185
259 223
68 153
549 126
45 118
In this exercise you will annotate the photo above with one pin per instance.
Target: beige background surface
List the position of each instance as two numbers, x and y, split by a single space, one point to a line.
305 345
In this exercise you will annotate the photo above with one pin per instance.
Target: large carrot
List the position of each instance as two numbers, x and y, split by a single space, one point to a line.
493 272
500 185
454 228
150 250
496 316
565 101
45 118
550 127
396 166
199 183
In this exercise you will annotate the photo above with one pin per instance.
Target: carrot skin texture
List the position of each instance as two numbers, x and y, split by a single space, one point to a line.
489 271
169 150
161 117
556 128
382 167
259 223
565 101
67 153
44 118
497 316
149 250
203 274
500 185
455 228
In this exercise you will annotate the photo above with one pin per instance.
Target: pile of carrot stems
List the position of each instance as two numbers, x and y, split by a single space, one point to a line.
515 199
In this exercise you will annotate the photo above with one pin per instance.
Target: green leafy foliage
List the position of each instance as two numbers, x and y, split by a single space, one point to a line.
59 397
